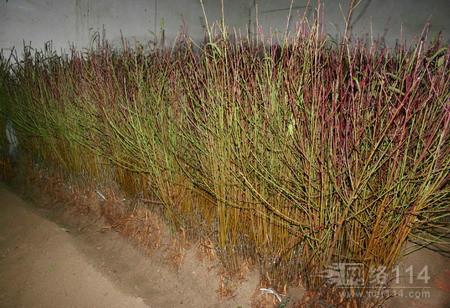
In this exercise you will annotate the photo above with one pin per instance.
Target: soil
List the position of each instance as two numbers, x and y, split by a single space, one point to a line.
46 264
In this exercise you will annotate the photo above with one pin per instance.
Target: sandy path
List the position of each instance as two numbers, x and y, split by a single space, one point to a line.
41 267
45 265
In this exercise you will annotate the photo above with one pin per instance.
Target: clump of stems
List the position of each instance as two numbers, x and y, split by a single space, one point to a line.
295 153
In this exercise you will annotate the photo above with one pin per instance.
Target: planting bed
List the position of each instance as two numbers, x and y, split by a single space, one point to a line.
288 154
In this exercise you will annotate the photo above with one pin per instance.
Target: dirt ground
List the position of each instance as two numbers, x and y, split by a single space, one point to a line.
50 261
423 281
43 264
